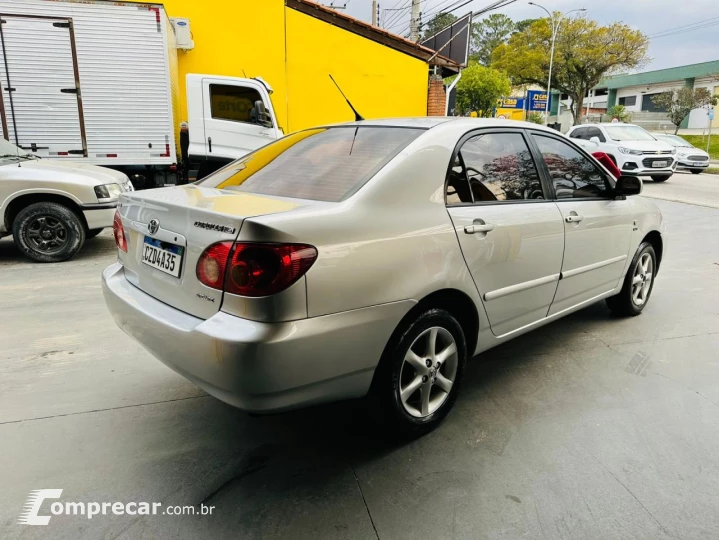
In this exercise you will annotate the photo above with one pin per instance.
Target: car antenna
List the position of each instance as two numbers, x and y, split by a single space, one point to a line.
358 116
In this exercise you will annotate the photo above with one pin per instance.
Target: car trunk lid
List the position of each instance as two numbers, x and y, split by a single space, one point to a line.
185 220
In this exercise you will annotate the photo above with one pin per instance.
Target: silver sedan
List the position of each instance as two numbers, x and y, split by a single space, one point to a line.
374 258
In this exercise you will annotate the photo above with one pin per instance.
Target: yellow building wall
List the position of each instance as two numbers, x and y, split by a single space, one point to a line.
379 81
240 38
235 38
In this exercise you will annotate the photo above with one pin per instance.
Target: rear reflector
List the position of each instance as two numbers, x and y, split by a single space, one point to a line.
119 232
254 269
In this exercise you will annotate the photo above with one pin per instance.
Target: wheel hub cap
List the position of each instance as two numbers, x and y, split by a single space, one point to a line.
642 279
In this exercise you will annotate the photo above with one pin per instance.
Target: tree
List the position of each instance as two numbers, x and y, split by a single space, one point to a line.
679 103
585 53
620 113
488 34
479 89
437 23
522 25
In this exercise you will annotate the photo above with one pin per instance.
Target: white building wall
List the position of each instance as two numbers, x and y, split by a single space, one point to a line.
698 118
640 91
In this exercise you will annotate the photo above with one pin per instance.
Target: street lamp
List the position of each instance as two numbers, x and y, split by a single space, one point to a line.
555 30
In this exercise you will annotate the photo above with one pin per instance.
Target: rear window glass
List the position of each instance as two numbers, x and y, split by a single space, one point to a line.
326 164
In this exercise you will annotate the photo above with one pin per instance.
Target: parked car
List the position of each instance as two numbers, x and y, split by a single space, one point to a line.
632 148
52 207
374 258
689 157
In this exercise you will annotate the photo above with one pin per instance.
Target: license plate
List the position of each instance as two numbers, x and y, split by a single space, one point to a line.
659 164
163 256
699 164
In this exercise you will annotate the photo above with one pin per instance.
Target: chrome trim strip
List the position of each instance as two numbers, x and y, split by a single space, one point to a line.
590 267
499 293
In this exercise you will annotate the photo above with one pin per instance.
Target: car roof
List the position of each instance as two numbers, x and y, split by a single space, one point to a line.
595 124
428 122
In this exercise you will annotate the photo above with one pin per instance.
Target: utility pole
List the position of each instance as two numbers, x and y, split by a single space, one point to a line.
414 21
374 13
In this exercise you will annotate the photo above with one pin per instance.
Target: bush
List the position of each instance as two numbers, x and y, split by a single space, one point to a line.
620 112
535 118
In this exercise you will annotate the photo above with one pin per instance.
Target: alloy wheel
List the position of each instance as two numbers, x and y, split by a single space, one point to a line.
642 279
428 372
46 234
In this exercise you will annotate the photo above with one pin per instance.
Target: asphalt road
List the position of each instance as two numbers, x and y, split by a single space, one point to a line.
593 427
700 189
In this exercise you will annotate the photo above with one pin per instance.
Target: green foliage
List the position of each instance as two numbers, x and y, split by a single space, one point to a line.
479 89
535 118
585 53
488 34
679 103
522 26
437 23
619 112
700 141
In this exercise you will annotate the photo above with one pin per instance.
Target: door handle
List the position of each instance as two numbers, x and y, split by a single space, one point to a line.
479 227
209 144
573 218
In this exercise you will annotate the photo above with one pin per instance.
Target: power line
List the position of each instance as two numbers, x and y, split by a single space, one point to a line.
683 26
397 15
687 28
398 23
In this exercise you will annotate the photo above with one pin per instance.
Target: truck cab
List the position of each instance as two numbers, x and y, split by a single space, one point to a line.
228 118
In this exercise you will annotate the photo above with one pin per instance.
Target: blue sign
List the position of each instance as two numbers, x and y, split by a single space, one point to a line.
537 101
711 114
510 103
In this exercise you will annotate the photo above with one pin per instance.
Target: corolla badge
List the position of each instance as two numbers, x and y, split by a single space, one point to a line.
153 226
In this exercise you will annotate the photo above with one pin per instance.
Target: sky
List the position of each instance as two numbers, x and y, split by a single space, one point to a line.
649 16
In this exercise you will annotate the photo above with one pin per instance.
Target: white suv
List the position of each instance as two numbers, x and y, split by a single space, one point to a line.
632 148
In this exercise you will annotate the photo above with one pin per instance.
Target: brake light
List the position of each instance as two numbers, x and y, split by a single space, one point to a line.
119 232
254 269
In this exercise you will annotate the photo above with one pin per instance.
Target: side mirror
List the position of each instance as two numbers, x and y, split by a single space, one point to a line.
628 185
259 114
595 140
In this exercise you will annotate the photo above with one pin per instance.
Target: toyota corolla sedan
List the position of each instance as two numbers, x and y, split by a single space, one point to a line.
374 258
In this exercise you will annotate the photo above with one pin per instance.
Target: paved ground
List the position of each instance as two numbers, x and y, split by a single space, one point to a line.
591 428
701 189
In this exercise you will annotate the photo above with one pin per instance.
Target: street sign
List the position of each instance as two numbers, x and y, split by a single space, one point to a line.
537 101
711 114
453 42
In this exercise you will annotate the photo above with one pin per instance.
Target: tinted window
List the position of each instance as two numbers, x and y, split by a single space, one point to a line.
594 132
325 164
579 133
573 175
457 184
499 167
233 103
628 101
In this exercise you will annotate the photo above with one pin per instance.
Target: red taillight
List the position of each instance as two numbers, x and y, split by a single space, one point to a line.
254 269
119 232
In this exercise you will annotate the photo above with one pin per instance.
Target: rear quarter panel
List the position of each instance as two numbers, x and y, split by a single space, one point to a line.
391 241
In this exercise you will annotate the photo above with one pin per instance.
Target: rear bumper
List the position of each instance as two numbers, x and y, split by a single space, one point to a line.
256 366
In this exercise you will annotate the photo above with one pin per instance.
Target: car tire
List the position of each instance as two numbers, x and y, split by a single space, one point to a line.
697 171
48 232
661 178
637 288
410 397
92 233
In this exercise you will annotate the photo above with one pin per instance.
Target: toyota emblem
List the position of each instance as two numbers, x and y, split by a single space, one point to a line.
153 226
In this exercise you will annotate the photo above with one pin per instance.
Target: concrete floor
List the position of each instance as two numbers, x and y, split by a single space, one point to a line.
591 428
701 189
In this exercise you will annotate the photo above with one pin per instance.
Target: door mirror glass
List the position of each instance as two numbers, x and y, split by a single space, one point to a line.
595 140
259 114
628 185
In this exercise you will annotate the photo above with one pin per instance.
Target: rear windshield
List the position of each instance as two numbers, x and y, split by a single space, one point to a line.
324 164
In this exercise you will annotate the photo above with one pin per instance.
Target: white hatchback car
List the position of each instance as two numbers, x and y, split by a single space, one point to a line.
632 148
375 258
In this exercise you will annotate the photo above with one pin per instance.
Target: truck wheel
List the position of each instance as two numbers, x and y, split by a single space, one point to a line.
48 232
92 233
662 178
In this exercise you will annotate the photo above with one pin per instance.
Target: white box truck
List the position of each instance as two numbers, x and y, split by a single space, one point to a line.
97 82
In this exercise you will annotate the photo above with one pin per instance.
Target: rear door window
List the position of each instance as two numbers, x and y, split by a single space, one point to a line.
325 164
